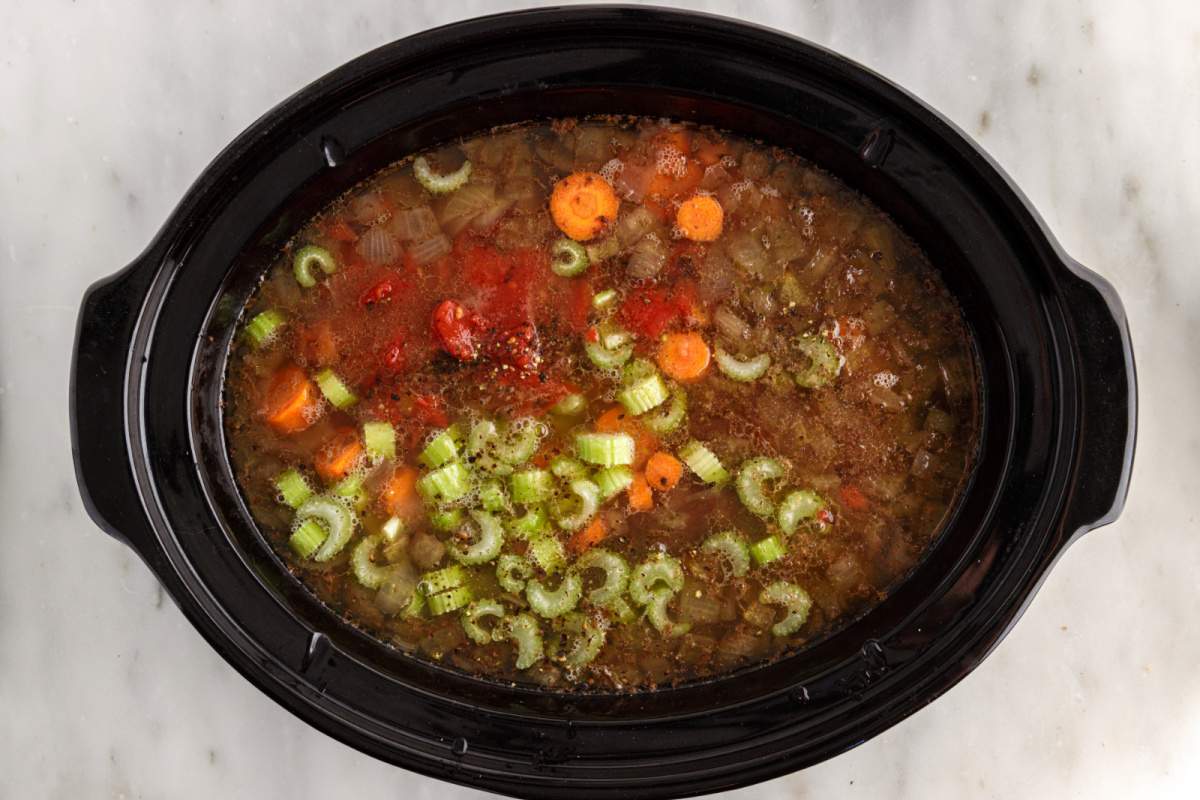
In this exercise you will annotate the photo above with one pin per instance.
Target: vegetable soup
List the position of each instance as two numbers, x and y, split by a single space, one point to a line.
601 404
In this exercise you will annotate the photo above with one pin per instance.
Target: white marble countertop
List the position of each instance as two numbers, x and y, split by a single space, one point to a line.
109 110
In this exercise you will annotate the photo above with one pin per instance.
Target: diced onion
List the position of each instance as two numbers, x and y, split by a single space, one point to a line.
415 224
378 246
429 250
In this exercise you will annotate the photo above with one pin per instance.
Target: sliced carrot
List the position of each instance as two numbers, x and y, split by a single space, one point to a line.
663 471
613 420
399 494
583 204
853 498
618 420
290 397
339 456
683 356
590 536
701 218
640 496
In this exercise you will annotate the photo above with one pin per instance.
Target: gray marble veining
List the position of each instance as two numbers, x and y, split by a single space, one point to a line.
111 109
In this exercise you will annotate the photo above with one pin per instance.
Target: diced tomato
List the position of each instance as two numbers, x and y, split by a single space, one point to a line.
340 230
510 302
378 293
393 358
428 409
592 335
485 267
456 330
650 310
518 347
853 498
580 305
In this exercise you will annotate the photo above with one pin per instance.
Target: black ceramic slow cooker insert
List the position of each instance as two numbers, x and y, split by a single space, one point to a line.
1055 453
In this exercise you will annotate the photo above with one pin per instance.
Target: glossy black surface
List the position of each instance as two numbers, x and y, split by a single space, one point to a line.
1059 412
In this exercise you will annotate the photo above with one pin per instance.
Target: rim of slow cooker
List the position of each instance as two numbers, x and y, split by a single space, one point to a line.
173 255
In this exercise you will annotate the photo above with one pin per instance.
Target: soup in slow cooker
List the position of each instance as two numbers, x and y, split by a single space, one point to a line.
601 405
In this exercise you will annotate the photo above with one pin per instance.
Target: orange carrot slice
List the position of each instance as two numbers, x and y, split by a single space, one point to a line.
339 456
399 494
640 496
683 356
663 471
701 218
590 536
583 205
289 398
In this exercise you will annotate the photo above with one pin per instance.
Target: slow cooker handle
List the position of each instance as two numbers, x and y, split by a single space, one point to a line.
1108 406
99 395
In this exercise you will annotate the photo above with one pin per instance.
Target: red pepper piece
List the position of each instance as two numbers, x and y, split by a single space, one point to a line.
456 330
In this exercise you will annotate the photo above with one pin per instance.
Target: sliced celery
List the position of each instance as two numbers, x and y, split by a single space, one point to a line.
493 497
512 571
445 484
473 616
794 599
657 570
533 522
586 637
532 486
732 546
265 327
548 553
307 538
447 519
764 551
797 507
616 575
667 419
487 543
703 462
613 481
440 184
442 449
570 406
554 603
736 369
604 298
338 522
293 488
657 613
605 449
568 258
526 632
751 484
588 495
334 389
448 601
439 580
368 573
308 257
643 395
567 468
380 440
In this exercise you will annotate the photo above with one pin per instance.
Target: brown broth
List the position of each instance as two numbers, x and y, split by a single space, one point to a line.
887 444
